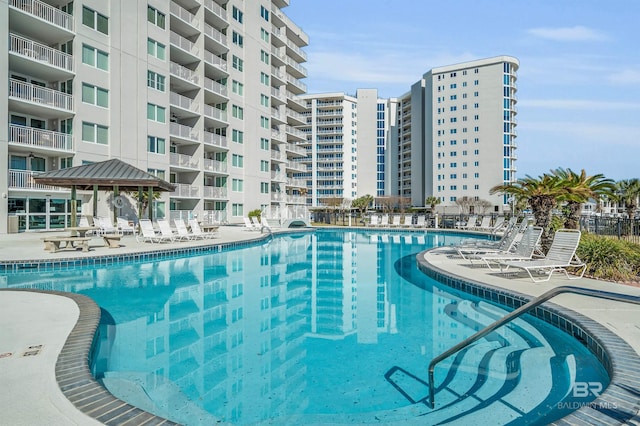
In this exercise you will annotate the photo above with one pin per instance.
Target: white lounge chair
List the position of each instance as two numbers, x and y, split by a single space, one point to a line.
264 224
561 255
182 231
526 249
506 244
485 224
256 223
408 220
165 230
198 232
385 220
105 226
421 222
375 220
396 220
124 227
249 225
148 233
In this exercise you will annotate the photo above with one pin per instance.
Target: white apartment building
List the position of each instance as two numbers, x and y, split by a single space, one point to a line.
202 93
453 134
345 142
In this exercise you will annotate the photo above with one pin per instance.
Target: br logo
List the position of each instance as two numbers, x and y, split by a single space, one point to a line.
586 389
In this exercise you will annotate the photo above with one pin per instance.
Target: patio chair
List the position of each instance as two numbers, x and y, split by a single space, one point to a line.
421 222
384 221
124 226
257 225
506 244
408 220
182 231
375 220
148 233
264 224
561 255
198 232
166 233
396 220
471 223
526 249
249 225
485 224
105 226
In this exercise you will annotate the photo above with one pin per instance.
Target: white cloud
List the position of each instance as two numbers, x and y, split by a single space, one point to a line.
577 33
625 77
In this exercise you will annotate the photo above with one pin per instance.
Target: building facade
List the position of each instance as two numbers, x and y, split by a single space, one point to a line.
345 142
202 93
453 135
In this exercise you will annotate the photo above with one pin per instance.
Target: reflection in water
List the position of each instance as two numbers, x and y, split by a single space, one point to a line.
303 325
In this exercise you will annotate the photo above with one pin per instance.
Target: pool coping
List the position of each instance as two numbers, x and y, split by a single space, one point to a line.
620 402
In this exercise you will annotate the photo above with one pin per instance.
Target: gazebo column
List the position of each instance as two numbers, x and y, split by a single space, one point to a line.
95 200
140 202
74 207
150 195
116 193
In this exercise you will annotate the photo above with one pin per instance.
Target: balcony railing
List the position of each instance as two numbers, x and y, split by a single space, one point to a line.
295 132
183 131
215 60
214 192
183 43
183 102
215 166
215 87
214 216
215 34
278 176
40 52
183 14
45 12
30 136
183 160
277 155
186 191
23 179
296 149
215 113
215 139
296 49
40 95
278 196
183 72
216 9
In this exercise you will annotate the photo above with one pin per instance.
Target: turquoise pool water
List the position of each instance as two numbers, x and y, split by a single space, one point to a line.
330 327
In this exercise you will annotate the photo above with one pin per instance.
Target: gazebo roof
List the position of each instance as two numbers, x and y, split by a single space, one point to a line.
105 175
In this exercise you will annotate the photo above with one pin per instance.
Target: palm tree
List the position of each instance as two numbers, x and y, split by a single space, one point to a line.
579 188
432 202
541 194
628 192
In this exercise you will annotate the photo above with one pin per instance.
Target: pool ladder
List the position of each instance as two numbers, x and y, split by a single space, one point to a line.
517 313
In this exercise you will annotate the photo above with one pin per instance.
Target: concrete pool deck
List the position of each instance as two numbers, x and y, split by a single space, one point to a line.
31 340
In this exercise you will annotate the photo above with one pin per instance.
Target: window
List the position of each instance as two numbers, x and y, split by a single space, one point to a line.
264 166
95 58
95 20
157 173
155 145
264 35
264 122
264 78
237 185
264 13
156 113
155 17
237 136
66 162
264 144
237 112
237 87
237 161
155 81
237 14
264 57
95 95
264 187
237 63
156 49
264 100
95 133
237 210
237 39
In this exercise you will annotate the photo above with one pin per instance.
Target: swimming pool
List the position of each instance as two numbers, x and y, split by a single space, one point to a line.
327 327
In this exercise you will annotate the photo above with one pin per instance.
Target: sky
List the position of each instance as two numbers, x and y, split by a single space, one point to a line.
578 82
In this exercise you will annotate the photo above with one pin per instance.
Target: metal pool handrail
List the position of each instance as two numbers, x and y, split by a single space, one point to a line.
515 314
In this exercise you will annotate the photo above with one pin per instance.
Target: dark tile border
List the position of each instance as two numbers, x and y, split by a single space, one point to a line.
619 404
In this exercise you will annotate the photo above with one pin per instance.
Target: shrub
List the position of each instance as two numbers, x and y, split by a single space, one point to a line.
609 259
255 213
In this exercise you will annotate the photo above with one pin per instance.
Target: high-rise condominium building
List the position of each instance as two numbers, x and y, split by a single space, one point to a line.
346 137
453 134
202 93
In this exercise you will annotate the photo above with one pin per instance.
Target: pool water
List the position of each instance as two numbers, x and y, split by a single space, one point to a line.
326 327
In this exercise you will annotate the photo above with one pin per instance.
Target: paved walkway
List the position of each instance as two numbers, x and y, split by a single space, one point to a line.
34 326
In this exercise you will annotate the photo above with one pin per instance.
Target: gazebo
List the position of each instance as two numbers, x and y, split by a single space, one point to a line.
107 175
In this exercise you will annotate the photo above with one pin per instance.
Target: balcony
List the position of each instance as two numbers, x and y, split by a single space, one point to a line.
279 78
215 14
278 196
298 54
278 136
296 150
31 14
278 156
216 41
276 117
39 140
219 92
215 166
42 101
187 23
294 101
188 79
299 119
186 51
296 166
296 199
183 132
277 96
297 134
218 64
216 140
214 192
38 60
23 179
183 161
216 114
186 191
184 103
278 176
296 69
296 183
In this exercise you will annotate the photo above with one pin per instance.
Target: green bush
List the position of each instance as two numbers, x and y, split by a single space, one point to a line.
609 259
255 213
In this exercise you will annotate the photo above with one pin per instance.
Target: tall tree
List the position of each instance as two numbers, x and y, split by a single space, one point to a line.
628 192
579 188
541 194
432 202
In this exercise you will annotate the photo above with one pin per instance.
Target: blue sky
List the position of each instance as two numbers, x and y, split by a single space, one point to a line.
578 83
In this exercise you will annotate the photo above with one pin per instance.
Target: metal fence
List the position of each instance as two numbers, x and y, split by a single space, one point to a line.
615 227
